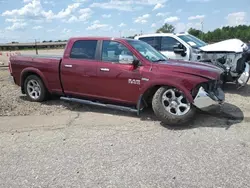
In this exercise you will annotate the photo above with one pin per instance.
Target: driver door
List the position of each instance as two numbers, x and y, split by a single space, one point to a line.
118 79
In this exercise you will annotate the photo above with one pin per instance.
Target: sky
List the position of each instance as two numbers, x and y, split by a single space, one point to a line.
29 20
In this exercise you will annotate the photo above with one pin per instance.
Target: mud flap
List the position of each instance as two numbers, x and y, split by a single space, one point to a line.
138 106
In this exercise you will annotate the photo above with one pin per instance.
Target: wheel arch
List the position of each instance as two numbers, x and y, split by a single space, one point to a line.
149 91
27 72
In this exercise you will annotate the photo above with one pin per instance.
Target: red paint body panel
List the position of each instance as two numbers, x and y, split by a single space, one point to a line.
46 68
80 78
85 78
114 84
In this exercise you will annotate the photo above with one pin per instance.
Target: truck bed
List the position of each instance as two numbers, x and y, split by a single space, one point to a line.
46 66
42 56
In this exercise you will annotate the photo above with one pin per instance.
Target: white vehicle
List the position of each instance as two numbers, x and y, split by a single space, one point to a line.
231 55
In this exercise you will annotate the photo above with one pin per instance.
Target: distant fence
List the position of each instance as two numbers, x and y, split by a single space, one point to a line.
4 57
8 54
30 46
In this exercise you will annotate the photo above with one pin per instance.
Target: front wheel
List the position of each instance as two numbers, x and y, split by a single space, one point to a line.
172 107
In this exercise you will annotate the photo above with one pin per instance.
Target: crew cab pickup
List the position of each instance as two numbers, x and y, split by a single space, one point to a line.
120 73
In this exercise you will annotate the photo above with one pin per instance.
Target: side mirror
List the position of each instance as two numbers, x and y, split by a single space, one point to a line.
178 49
136 63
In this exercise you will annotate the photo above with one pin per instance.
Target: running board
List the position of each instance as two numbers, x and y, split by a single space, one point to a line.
117 107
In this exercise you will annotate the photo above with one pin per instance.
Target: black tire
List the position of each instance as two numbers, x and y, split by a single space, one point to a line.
44 92
165 116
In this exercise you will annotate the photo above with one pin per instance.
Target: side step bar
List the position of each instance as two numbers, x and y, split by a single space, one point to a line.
117 107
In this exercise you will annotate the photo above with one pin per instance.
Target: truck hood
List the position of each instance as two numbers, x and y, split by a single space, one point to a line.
192 68
230 45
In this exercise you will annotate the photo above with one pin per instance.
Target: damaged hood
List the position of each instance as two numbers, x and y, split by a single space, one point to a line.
192 68
230 45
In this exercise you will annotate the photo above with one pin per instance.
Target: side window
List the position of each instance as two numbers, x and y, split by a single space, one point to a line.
113 51
153 41
84 49
167 43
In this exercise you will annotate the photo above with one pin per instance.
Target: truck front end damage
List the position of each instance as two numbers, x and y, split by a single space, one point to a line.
208 95
232 56
244 77
234 65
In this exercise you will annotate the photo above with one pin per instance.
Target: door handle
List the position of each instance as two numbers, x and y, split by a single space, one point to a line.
104 69
68 66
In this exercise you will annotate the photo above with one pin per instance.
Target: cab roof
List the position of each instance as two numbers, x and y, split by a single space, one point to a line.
99 38
161 34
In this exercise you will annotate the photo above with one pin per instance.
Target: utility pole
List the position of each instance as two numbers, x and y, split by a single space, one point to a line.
36 47
202 28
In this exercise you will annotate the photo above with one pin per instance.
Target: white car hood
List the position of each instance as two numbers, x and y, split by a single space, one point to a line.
230 45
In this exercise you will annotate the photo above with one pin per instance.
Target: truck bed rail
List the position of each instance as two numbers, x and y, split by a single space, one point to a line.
47 56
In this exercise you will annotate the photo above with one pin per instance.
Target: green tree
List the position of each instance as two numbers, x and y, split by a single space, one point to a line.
166 28
195 32
241 32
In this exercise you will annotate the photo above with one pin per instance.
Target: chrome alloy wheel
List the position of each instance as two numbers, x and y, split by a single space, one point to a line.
175 102
34 89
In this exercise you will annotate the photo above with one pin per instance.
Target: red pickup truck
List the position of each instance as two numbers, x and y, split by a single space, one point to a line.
120 73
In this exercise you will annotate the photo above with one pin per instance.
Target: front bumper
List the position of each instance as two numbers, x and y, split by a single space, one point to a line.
206 101
244 77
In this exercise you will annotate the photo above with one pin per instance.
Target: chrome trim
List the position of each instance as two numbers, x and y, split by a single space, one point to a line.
68 66
242 80
104 69
144 79
203 100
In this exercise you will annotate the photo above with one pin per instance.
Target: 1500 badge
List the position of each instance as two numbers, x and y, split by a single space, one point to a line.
134 81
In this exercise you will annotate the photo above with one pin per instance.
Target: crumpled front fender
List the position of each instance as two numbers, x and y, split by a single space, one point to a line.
204 100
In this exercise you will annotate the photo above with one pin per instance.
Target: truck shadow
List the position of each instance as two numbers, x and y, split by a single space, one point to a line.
227 116
224 117
232 89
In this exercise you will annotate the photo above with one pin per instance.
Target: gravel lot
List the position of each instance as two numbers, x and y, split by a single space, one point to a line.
59 144
13 103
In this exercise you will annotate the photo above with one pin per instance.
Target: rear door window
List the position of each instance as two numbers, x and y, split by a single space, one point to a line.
84 49
153 41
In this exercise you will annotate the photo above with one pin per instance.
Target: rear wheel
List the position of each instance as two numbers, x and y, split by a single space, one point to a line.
171 106
35 89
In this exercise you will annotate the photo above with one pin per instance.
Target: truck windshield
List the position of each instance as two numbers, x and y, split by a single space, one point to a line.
192 41
147 51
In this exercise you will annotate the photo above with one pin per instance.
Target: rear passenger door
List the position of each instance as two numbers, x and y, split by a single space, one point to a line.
78 70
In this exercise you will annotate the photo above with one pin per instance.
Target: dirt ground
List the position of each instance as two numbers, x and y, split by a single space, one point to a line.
60 144
14 103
